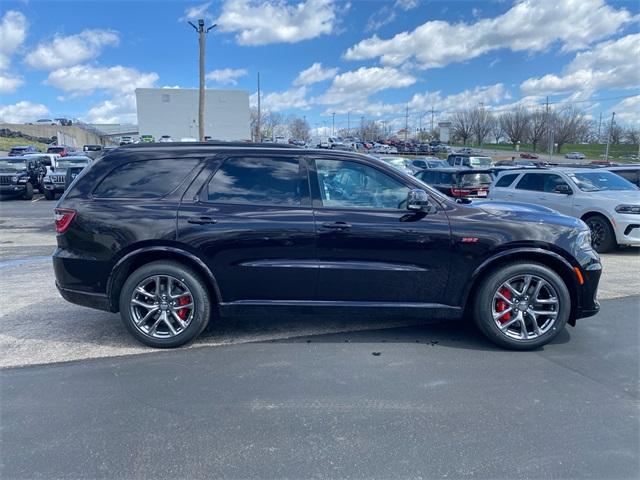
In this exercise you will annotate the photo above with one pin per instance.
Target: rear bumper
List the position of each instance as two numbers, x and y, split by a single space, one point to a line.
98 301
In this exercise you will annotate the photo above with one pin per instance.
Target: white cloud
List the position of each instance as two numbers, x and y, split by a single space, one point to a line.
71 50
530 25
407 5
352 88
226 76
487 95
9 83
13 31
85 79
120 109
314 74
197 12
611 64
261 22
281 101
22 112
628 111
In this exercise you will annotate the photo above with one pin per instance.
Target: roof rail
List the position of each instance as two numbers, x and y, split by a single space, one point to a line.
209 143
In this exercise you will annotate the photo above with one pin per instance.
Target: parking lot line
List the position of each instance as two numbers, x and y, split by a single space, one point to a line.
36 200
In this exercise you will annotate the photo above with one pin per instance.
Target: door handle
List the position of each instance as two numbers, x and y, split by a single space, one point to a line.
202 220
337 225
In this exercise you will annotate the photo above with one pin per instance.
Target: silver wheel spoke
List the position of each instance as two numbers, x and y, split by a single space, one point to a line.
541 307
152 308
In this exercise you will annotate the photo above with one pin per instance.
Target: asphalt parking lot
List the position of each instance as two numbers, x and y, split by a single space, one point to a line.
306 396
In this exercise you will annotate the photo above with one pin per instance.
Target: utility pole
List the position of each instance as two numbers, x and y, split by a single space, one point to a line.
333 124
431 119
606 151
599 127
550 130
406 123
202 42
259 126
349 123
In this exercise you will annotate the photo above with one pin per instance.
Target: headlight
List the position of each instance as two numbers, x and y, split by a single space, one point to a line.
14 179
584 240
634 209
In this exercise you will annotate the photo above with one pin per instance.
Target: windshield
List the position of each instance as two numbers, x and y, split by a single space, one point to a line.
601 181
480 161
72 162
475 179
11 165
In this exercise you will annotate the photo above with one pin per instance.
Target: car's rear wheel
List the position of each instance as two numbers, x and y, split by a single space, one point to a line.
165 304
603 238
522 306
49 195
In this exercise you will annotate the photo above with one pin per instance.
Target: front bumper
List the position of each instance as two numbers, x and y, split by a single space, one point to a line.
54 187
627 229
12 190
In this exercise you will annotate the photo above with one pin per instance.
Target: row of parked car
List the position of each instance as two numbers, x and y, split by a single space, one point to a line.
605 197
49 173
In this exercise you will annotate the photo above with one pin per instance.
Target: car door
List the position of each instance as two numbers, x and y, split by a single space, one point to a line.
370 247
528 188
552 198
252 222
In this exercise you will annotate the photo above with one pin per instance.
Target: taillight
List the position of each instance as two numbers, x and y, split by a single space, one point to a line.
63 218
460 192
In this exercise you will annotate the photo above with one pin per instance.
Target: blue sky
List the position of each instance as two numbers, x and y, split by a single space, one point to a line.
366 58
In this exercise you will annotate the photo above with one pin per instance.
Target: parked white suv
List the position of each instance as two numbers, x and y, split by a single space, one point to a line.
606 202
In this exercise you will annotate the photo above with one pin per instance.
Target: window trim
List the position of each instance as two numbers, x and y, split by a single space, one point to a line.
202 195
197 166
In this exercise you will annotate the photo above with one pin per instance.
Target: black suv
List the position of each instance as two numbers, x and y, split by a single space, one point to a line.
175 235
458 182
15 178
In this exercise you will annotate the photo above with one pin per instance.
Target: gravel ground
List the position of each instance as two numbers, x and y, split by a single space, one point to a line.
37 326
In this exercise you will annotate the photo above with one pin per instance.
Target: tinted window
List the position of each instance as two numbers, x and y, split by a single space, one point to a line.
552 181
506 180
445 179
420 163
475 179
351 184
146 179
257 181
631 175
427 177
531 181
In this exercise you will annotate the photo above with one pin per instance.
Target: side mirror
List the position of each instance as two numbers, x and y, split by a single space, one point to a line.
564 189
417 200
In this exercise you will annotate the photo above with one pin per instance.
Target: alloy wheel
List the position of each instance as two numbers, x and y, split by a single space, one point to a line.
161 306
598 232
525 307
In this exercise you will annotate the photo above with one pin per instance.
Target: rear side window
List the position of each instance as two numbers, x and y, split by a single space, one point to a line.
531 181
506 180
257 181
145 179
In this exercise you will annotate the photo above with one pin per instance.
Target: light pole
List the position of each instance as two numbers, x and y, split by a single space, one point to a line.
333 124
202 42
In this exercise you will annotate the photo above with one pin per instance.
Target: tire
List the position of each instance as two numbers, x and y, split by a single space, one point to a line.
49 195
549 324
603 238
197 318
28 191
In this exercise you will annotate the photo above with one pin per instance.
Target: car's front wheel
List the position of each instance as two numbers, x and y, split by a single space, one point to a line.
522 306
165 304
49 194
603 238
28 191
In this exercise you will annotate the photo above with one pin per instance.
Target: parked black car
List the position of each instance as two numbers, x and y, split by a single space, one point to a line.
14 179
175 236
61 176
458 182
629 172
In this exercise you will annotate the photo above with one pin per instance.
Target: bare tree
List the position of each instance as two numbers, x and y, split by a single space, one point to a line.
632 136
515 124
496 129
537 127
567 124
480 123
461 126
299 128
615 133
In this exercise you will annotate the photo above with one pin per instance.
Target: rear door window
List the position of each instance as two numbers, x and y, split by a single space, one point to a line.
258 181
145 179
531 181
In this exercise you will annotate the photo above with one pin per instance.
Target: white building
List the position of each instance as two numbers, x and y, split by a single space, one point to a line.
174 112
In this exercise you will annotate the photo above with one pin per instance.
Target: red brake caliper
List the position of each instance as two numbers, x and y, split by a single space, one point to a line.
184 312
501 305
